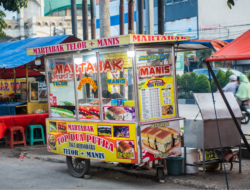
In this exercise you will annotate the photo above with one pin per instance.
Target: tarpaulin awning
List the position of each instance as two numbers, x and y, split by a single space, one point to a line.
20 73
13 54
239 49
197 45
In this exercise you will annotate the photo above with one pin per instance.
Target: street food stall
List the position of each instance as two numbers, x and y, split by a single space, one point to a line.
112 99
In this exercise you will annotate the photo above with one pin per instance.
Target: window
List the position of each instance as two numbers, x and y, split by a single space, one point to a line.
169 2
155 3
61 86
117 86
87 89
62 12
177 1
79 11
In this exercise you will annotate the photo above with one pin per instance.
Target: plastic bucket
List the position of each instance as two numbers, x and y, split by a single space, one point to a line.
192 155
174 165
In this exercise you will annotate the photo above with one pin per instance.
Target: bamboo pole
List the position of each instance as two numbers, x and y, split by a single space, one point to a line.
27 82
14 80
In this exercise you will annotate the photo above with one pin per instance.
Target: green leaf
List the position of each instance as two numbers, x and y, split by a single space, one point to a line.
229 5
232 2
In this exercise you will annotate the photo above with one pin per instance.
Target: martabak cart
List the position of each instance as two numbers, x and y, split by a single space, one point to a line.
112 99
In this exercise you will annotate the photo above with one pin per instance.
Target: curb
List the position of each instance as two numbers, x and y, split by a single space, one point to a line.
168 179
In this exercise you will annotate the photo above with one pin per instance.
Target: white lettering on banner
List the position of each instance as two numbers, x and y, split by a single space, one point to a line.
100 142
154 71
82 128
65 71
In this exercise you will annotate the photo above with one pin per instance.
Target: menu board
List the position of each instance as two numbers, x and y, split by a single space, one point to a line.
156 98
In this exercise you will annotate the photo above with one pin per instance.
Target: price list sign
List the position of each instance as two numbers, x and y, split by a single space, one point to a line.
156 98
150 103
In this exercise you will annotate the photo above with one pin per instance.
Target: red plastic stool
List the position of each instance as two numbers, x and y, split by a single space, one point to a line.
11 131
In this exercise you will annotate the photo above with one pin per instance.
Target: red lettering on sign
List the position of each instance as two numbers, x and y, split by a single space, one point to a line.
107 66
144 39
136 38
34 51
154 71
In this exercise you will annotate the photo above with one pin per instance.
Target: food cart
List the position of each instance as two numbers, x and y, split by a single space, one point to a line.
112 99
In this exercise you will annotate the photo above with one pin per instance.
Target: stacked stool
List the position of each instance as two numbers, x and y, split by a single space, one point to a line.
10 132
30 137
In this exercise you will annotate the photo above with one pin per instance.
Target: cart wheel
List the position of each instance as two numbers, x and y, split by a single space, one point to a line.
160 174
78 167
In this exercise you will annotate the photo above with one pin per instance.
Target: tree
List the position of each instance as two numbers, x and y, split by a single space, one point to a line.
10 5
202 84
227 75
248 75
183 82
220 75
229 3
178 79
203 54
191 81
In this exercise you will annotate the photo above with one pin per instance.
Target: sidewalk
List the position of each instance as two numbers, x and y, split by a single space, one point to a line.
214 180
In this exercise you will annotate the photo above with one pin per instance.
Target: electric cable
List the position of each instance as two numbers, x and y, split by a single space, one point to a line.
225 172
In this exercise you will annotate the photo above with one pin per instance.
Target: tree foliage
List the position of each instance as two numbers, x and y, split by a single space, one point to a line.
178 79
184 82
227 75
248 75
229 3
191 81
221 77
202 84
10 5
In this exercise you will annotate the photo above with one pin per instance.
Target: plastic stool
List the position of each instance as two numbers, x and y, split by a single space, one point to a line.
11 131
31 138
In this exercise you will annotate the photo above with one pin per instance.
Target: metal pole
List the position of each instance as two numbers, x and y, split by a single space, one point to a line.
73 17
27 82
228 106
100 86
175 81
140 16
121 13
131 16
75 88
161 17
47 84
85 31
14 80
93 25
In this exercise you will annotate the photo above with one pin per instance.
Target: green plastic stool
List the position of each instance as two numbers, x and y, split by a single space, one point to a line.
31 139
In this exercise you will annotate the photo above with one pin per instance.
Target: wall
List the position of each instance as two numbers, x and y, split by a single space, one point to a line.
225 23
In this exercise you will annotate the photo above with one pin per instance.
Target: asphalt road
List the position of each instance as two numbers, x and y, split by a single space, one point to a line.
36 174
190 111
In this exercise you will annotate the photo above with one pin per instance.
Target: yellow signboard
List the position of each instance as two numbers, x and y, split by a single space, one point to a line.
156 98
98 141
7 86
104 42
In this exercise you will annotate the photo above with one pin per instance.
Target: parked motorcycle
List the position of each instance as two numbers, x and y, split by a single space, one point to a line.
245 111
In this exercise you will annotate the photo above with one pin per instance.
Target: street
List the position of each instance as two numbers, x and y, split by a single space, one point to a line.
36 174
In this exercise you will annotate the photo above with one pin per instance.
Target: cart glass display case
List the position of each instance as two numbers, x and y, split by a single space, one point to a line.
61 87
